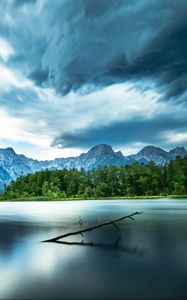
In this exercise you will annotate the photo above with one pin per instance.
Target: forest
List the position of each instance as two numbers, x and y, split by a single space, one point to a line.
113 181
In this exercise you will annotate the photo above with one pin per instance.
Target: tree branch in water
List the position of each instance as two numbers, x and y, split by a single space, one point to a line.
113 222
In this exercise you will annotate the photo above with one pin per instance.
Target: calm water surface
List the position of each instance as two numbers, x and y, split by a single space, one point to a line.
149 262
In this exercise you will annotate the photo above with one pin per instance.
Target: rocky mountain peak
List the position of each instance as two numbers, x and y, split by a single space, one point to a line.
119 154
178 151
7 154
152 153
101 149
8 150
151 150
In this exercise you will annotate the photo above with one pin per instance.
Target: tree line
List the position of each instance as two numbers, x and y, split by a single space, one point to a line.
113 181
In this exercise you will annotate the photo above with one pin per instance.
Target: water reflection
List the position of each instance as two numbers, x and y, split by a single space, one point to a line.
31 269
115 246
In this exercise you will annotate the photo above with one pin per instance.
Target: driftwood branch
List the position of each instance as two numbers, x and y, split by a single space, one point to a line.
113 222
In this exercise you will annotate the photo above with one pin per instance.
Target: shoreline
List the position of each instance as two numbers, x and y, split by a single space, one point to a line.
48 199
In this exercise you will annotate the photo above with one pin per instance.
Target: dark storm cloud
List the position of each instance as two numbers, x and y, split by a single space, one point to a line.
89 44
39 76
106 42
149 131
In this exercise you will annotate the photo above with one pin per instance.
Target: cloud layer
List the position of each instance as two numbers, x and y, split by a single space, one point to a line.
85 45
79 73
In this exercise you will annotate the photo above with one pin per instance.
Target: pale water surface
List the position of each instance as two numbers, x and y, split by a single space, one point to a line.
149 262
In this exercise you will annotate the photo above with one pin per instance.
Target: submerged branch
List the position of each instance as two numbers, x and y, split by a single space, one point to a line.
113 222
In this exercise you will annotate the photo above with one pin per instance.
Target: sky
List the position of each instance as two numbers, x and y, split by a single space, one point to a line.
77 73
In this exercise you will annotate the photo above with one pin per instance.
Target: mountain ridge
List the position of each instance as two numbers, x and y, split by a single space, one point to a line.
12 165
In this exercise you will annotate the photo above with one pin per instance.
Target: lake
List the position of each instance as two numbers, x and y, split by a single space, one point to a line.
143 259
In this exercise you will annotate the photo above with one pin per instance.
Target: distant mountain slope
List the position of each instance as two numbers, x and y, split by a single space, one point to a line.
178 151
158 155
13 165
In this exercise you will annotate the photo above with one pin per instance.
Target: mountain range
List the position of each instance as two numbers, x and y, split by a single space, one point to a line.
12 165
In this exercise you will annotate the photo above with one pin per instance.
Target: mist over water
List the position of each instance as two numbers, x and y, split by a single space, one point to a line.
149 262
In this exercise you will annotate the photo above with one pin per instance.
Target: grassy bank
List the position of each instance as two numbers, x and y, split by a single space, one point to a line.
92 198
